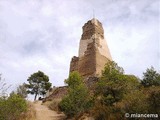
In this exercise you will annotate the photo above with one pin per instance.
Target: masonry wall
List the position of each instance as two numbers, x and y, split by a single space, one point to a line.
93 51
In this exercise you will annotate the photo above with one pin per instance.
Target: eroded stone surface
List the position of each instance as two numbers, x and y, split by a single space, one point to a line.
93 55
58 92
93 50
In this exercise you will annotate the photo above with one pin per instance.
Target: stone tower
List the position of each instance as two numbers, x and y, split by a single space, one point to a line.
93 51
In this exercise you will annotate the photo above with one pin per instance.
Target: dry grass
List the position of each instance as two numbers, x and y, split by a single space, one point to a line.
30 114
53 105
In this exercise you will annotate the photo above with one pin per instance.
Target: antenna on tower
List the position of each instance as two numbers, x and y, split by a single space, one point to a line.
93 14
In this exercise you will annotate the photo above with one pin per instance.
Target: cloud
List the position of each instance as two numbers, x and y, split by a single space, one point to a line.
44 35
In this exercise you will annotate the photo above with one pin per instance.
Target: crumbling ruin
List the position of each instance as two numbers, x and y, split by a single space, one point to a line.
93 51
93 55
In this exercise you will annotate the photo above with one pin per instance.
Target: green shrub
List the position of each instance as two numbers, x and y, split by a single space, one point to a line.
153 99
54 104
3 107
77 99
13 107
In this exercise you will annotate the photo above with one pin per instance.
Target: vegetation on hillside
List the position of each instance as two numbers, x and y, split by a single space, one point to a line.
77 100
115 94
14 106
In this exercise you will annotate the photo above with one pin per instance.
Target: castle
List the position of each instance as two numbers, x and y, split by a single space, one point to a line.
93 51
93 55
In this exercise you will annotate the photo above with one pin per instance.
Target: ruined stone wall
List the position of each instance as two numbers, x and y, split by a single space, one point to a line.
93 55
103 48
74 64
92 27
93 51
100 63
86 66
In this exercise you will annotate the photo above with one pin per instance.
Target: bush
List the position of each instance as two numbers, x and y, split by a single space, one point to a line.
3 112
54 104
30 114
153 99
77 99
110 91
135 102
13 107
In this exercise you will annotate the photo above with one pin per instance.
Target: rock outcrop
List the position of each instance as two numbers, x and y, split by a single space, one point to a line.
57 93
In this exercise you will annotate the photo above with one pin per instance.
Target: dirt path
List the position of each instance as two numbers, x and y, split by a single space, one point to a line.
43 113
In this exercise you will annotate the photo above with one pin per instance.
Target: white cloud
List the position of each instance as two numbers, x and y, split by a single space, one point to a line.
44 35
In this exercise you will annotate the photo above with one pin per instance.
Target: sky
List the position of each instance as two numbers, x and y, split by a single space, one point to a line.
45 34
